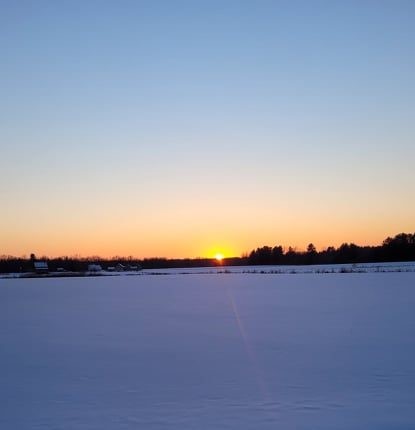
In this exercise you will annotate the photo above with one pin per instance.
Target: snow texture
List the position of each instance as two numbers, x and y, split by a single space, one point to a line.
257 351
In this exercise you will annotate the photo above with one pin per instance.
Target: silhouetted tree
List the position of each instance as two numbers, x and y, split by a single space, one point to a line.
277 254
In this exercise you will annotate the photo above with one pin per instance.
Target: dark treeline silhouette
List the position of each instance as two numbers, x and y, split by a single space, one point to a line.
11 264
399 248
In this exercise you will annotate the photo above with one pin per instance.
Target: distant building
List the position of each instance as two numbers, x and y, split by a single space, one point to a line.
124 268
94 268
41 267
120 267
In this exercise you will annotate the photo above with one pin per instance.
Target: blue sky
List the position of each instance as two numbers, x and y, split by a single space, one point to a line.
181 127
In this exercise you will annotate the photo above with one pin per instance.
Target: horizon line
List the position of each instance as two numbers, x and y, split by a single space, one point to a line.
131 257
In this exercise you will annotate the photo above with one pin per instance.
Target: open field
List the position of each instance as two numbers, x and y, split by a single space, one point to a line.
247 351
407 266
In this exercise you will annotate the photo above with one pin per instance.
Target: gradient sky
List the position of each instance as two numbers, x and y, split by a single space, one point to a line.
186 128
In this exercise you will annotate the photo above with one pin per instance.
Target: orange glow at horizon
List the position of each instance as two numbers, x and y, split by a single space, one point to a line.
192 228
139 243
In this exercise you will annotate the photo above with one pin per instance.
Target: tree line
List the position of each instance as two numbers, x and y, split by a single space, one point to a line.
398 248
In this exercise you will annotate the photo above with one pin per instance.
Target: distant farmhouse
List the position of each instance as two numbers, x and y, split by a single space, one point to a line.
94 268
40 267
120 267
124 268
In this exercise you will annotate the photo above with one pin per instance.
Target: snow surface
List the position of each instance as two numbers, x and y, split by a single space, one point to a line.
257 351
405 266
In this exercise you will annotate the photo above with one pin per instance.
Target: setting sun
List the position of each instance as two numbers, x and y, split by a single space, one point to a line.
219 256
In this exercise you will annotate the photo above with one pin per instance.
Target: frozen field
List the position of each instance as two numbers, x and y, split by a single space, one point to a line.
239 351
408 266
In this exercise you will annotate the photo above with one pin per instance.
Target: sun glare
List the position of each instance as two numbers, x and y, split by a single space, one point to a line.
219 256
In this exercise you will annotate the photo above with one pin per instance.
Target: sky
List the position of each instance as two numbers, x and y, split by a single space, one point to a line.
188 128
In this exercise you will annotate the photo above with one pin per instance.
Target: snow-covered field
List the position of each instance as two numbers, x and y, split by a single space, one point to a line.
406 266
247 351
